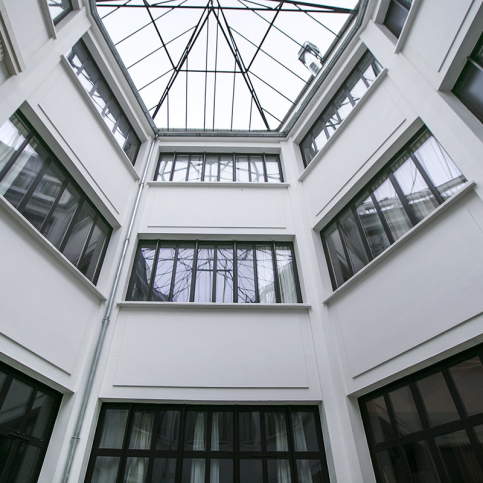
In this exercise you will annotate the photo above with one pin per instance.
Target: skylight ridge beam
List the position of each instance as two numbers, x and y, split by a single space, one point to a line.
241 65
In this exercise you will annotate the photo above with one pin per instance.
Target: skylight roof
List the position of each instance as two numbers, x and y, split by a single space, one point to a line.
229 65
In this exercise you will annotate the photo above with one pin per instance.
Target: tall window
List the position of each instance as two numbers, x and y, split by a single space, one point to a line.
420 178
210 167
103 99
59 9
207 444
469 86
429 427
396 15
28 411
222 272
340 106
33 181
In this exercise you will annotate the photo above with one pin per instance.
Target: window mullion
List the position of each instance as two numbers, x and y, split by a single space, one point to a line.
280 172
382 218
155 267
193 272
407 207
15 156
425 176
70 228
173 276
215 261
88 239
234 167
175 155
235 273
203 167
264 168
249 168
187 177
344 246
255 273
278 294
125 445
236 439
179 462
54 206
38 178
361 232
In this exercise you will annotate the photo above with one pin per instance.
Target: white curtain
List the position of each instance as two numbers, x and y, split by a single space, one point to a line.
298 432
283 471
198 465
215 446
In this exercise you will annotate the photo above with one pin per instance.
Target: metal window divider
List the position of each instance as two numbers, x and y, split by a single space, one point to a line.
175 157
333 279
234 167
173 275
405 203
280 171
215 270
278 293
187 176
298 289
71 225
88 239
255 274
16 155
344 247
203 166
235 272
97 269
382 218
362 234
194 271
155 268
264 162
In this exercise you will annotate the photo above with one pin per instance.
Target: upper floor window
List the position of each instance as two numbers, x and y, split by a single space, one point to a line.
356 85
28 410
223 272
103 99
211 167
469 86
415 182
428 427
396 15
59 9
201 444
33 180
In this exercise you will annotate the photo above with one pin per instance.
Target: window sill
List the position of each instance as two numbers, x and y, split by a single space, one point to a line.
343 124
213 306
27 226
217 184
442 208
91 106
407 25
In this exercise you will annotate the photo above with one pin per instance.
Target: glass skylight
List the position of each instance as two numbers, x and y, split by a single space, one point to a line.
229 65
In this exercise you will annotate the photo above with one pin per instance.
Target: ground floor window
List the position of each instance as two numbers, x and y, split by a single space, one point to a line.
428 427
140 443
27 414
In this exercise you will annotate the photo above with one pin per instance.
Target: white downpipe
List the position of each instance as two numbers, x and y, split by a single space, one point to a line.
105 322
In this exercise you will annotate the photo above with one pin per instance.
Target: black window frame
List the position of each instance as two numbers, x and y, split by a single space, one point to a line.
20 436
236 455
196 245
111 100
390 15
205 154
332 107
383 174
84 200
429 432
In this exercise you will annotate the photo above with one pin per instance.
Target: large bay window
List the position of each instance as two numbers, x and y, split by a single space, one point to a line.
140 443
223 272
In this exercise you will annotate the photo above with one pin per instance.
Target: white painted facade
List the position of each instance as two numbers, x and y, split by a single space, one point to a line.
418 303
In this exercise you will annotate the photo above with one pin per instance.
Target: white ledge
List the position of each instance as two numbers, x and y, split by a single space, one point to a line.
343 124
89 102
212 306
408 235
216 184
29 228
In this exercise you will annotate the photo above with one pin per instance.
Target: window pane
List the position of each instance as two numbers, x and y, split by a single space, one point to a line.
184 270
95 247
251 471
279 471
195 431
180 168
343 104
136 470
59 8
62 216
304 431
340 265
222 431
356 86
167 435
308 149
391 466
164 274
204 275
224 274
131 146
40 415
320 136
392 208
12 135
221 471
113 428
226 167
276 431
15 404
142 272
468 378
5 448
332 121
273 168
111 113
100 97
437 399
24 464
249 431
211 168
421 463
353 242
286 275
256 166
415 189
440 168
196 166
165 166
372 226
142 430
395 18
78 236
469 88
459 458
122 131
164 470
242 169
193 470
405 411
266 277
105 470
3 376
246 274
379 420
310 471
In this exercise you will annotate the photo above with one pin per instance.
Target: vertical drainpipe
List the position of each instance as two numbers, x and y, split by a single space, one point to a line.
105 322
